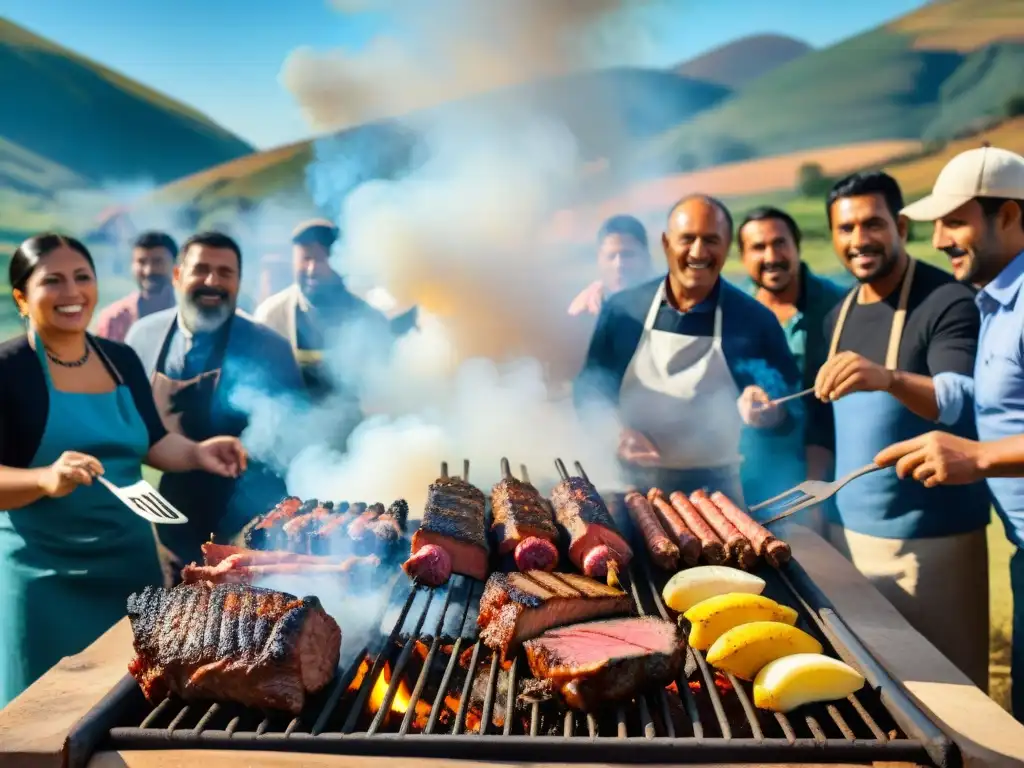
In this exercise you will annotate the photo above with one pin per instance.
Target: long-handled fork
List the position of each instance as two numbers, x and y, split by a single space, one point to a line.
808 494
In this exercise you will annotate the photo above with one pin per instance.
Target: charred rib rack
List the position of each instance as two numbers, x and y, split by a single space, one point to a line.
428 687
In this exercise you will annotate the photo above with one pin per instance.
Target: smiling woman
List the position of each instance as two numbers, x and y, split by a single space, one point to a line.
73 407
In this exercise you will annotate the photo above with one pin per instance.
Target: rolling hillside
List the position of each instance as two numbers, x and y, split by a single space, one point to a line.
737 63
606 110
904 80
72 125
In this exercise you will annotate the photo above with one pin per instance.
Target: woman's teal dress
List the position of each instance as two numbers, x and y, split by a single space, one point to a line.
68 565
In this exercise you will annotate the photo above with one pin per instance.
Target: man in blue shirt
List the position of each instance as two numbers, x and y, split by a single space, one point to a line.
769 243
906 322
977 206
208 366
688 361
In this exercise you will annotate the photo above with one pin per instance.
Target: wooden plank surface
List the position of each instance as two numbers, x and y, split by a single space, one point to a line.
34 727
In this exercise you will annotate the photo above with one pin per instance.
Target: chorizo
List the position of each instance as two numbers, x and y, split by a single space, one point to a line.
663 552
689 546
737 547
761 539
712 549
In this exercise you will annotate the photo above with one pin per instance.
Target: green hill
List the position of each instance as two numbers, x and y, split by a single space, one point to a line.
737 63
72 124
898 81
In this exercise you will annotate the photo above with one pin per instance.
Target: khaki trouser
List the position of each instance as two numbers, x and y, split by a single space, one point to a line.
940 586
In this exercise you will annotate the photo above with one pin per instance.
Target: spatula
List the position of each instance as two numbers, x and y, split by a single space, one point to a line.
808 494
143 499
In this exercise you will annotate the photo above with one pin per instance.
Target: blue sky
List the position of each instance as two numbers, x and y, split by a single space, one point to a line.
223 56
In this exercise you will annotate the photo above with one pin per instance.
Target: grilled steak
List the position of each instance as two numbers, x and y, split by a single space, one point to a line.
518 606
453 519
253 646
594 541
522 523
606 661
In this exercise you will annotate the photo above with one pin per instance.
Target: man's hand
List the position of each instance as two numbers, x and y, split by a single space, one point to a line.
847 373
635 448
588 301
756 410
222 456
936 458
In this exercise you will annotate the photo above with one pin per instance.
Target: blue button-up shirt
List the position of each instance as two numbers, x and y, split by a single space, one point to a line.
999 382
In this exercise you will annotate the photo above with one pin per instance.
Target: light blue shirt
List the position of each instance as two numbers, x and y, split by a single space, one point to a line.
998 384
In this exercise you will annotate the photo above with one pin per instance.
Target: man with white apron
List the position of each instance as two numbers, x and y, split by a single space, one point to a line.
923 548
318 313
198 357
688 361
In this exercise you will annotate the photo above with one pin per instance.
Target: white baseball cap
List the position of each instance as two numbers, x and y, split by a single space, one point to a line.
982 172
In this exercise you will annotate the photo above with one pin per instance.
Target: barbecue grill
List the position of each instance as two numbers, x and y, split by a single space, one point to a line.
425 686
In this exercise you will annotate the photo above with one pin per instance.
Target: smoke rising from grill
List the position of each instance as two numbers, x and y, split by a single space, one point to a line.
448 49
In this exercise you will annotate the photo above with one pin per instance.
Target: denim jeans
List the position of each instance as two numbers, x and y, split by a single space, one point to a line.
1017 652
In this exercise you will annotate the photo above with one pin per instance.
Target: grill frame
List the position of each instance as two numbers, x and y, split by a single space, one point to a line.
921 740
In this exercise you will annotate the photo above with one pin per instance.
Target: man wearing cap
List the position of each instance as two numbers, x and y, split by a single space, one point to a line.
977 206
319 315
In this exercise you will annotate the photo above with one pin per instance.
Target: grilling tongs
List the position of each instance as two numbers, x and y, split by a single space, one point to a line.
808 494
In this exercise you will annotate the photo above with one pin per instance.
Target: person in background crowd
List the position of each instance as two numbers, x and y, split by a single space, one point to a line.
152 260
769 243
73 406
623 261
923 548
688 360
977 206
207 363
317 309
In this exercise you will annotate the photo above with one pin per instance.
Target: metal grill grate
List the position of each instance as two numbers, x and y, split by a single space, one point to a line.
430 688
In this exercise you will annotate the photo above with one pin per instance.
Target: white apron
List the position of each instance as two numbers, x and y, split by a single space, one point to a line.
678 391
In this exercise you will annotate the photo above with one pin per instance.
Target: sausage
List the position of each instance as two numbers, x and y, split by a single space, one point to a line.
431 565
764 543
663 552
711 546
689 545
535 554
736 546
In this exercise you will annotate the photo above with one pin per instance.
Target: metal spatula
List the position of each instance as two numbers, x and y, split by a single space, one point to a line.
808 494
143 499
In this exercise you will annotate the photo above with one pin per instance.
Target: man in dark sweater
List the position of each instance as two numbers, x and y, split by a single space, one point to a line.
924 548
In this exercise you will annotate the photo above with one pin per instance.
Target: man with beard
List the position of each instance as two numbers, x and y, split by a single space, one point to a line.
152 260
207 365
977 206
623 260
769 244
318 312
688 360
923 548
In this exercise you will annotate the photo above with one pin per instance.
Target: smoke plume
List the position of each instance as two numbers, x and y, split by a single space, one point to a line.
443 50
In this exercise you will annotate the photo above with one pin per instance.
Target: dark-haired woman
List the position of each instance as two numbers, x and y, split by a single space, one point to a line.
73 406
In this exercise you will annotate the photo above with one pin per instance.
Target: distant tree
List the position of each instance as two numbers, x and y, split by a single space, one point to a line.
1015 105
811 180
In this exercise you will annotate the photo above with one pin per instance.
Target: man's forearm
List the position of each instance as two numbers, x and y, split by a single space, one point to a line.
1002 458
916 392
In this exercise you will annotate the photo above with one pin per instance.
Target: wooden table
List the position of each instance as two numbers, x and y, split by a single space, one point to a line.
34 727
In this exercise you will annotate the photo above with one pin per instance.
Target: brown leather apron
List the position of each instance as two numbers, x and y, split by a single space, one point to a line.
186 405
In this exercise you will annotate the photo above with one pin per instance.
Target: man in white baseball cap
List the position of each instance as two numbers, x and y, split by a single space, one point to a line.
977 206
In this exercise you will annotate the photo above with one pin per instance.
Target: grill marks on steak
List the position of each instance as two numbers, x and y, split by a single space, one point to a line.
454 519
518 511
602 662
518 606
588 525
257 647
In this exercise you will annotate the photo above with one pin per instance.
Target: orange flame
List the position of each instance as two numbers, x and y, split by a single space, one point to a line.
400 702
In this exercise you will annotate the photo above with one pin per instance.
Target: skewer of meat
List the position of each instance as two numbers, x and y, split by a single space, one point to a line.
737 547
712 548
236 569
664 553
297 530
596 546
263 530
689 545
774 550
522 523
454 525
